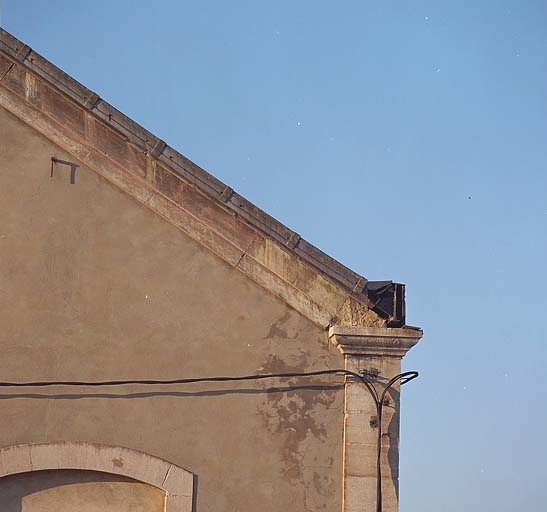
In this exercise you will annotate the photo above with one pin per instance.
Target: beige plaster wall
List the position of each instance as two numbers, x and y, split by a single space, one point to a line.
94 286
77 491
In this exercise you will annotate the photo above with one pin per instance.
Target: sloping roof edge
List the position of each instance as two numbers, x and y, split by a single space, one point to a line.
141 164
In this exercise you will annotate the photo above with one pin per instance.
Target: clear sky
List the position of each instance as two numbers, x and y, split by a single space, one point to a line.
405 138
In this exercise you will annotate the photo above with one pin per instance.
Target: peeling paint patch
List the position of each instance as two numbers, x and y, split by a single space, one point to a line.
117 462
279 329
301 415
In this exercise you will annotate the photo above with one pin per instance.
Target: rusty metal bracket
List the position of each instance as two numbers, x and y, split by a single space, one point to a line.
73 166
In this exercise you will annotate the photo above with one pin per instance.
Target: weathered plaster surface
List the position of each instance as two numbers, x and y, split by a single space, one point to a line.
94 286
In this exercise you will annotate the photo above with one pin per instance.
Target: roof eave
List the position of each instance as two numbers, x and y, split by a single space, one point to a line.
158 176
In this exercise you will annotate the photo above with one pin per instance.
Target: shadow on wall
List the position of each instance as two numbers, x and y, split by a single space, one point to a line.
181 394
75 490
393 433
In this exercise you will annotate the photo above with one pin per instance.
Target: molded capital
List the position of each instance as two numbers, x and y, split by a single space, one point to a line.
374 341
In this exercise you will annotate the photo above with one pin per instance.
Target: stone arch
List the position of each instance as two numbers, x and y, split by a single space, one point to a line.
174 480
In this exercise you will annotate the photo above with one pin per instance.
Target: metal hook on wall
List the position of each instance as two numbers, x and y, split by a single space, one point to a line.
73 166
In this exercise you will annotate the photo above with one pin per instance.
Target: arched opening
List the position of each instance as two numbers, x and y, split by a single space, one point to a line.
70 490
100 471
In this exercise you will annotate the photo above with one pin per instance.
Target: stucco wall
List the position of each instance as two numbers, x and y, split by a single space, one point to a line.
77 491
94 286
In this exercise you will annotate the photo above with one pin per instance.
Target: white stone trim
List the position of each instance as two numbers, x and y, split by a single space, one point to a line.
374 341
377 351
175 481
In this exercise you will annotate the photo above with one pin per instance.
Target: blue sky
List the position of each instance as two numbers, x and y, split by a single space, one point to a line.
407 140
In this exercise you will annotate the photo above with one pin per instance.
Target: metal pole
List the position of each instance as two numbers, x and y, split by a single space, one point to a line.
379 402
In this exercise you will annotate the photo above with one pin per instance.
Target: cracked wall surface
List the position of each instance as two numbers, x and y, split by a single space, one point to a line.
93 286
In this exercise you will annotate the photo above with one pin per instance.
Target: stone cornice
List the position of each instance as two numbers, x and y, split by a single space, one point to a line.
131 158
374 341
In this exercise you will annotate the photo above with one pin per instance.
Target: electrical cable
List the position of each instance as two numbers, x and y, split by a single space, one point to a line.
180 381
402 378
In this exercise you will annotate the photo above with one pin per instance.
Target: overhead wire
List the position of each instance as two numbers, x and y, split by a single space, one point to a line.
379 399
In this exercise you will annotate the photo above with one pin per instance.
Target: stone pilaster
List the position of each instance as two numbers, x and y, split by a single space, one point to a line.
378 351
